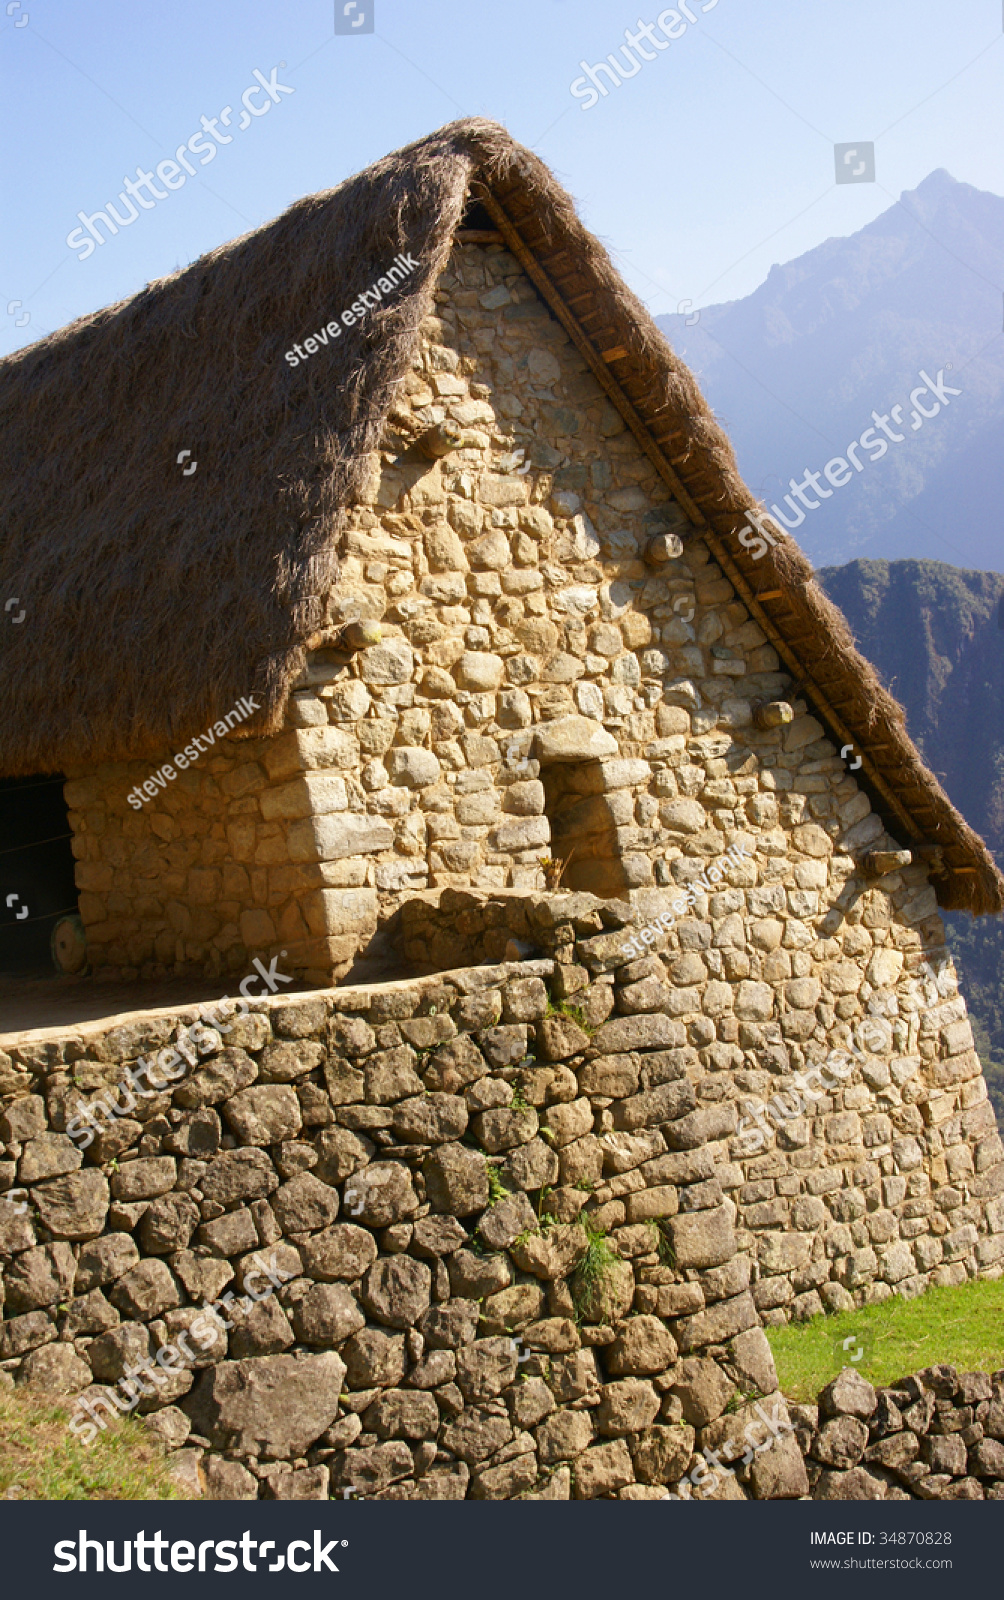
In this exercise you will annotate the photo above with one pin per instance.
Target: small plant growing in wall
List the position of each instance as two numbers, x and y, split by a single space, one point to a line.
554 869
591 1280
496 1188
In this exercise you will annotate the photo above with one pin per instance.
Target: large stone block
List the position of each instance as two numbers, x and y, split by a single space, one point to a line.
573 739
336 836
702 1238
275 1406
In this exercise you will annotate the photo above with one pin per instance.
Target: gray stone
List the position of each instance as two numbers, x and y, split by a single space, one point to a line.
146 1291
456 1180
23 1119
229 1235
103 1260
225 1480
239 1175
848 1393
644 1346
453 1323
396 1290
572 739
168 1224
403 1414
145 1179
414 767
90 1314
75 1206
603 1469
667 1103
505 1220
261 1330
343 1251
18 1335
475 1434
857 1484
48 1156
554 1254
627 1408
340 1154
486 1367
382 1194
274 1405
54 1369
662 1454
531 1166
113 1352
434 1236
226 1072
841 1442
305 1204
327 1314
430 1119
473 1277
265 1114
287 1060
703 1388
40 1277
702 1238
375 1359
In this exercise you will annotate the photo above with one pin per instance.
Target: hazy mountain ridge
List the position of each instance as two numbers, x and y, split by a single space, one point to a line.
795 369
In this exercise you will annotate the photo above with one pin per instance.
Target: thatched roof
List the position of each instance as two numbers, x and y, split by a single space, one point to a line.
155 600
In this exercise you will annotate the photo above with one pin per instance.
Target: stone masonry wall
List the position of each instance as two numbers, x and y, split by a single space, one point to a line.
428 1160
510 582
541 686
895 1181
936 1435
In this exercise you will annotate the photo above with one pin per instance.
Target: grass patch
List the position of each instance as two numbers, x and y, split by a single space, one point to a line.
589 1283
963 1327
41 1460
565 1008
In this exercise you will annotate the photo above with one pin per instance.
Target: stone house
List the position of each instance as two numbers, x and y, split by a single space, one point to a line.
478 572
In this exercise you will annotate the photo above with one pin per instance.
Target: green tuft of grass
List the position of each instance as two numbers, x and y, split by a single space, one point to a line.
565 1008
590 1291
963 1326
41 1460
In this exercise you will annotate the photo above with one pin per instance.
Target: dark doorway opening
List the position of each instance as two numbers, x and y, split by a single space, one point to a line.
36 872
584 822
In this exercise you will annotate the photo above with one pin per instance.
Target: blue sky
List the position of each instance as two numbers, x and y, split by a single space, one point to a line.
710 164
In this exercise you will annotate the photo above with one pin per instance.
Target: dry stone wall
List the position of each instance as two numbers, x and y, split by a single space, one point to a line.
543 686
463 1315
937 1435
891 1182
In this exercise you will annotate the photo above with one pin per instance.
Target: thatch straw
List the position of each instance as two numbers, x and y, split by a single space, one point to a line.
156 600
